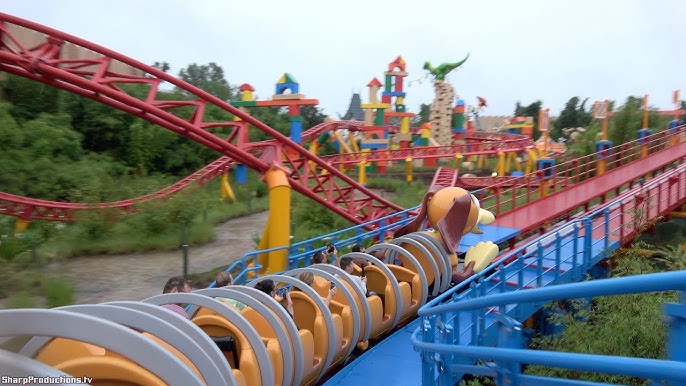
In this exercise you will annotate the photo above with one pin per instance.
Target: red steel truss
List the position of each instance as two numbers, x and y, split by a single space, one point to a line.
93 78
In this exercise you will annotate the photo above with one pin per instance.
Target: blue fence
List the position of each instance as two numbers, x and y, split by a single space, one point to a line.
299 253
458 327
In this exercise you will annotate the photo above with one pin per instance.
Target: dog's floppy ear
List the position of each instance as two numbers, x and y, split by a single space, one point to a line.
451 226
416 224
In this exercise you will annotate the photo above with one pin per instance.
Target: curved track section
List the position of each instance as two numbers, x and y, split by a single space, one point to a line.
94 79
34 209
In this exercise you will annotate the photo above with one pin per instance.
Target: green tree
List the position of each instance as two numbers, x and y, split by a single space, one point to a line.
28 97
573 115
210 78
422 116
162 66
628 119
312 116
104 128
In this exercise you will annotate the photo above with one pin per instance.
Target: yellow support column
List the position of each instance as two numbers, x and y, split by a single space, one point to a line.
500 167
480 161
543 188
531 161
511 163
278 229
362 175
20 226
458 161
227 191
408 169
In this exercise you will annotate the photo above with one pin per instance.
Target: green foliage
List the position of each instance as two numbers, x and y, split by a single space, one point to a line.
162 66
626 122
407 195
29 98
58 291
423 116
585 144
21 299
573 115
103 127
209 78
274 117
625 325
312 116
310 219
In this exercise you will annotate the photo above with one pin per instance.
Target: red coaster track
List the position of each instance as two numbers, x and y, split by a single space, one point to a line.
94 79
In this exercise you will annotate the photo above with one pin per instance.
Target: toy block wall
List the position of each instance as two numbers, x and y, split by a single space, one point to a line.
441 114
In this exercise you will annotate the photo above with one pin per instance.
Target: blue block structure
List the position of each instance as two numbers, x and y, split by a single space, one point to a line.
548 165
643 135
373 146
603 149
673 125
296 131
459 131
394 93
281 87
241 174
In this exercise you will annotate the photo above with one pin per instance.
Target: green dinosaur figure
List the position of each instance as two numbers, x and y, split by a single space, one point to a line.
442 70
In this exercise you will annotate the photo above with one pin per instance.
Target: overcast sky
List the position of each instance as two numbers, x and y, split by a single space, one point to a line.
520 50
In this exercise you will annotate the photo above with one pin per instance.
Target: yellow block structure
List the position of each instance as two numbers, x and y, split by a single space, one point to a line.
277 231
382 106
405 125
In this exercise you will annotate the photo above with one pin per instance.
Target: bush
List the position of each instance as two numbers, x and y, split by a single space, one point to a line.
21 299
57 291
624 325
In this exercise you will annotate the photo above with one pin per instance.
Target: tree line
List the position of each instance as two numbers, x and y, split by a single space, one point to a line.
61 146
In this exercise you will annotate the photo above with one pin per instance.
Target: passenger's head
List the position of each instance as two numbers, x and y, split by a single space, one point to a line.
381 255
358 248
224 279
177 284
267 286
347 264
307 278
319 258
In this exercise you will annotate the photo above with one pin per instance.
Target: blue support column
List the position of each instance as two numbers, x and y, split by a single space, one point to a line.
673 126
241 174
643 135
675 314
547 165
509 336
603 149
296 131
428 362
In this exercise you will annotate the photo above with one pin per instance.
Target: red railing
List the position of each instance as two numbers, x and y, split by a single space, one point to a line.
514 193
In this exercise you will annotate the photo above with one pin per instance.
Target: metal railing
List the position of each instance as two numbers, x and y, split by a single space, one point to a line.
300 253
508 195
562 255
